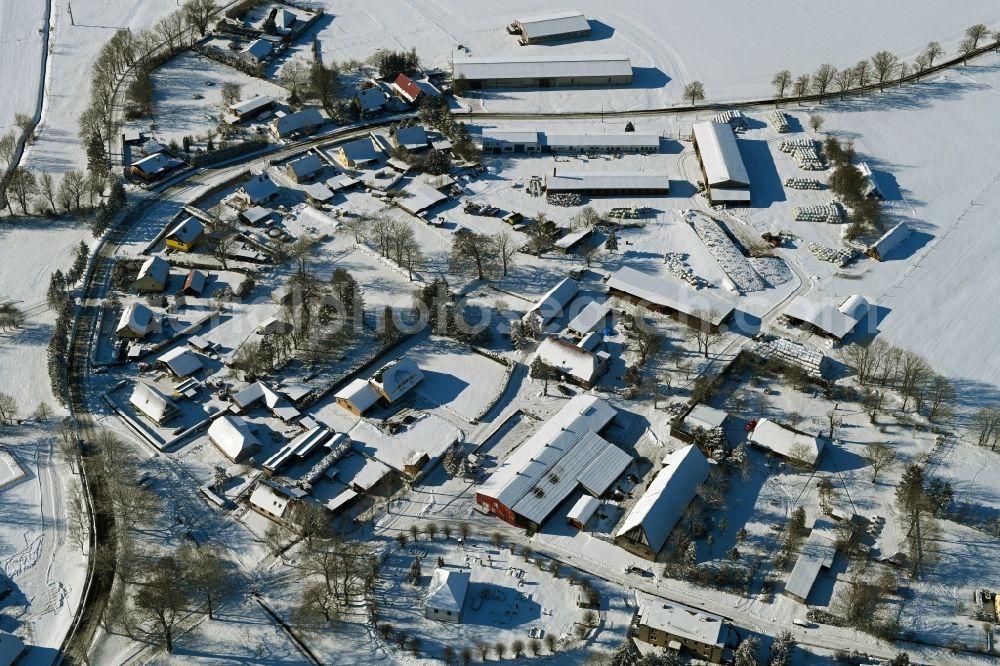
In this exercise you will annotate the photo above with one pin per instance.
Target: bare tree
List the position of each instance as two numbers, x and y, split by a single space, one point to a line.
47 185
198 13
8 144
966 48
224 234
23 185
162 602
880 456
206 576
505 247
816 122
844 79
71 189
801 85
294 76
884 64
933 51
920 64
472 250
940 398
823 78
863 73
705 335
975 33
781 81
695 92
77 519
231 93
8 408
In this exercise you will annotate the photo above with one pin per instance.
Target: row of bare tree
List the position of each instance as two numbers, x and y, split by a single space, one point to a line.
880 365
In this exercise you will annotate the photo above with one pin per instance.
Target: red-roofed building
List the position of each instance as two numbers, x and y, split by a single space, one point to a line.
411 91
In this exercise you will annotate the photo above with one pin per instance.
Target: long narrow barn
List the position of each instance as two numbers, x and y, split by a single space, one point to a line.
726 178
543 71
548 27
608 184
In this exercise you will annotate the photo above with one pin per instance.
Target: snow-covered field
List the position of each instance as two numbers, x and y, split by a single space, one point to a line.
22 26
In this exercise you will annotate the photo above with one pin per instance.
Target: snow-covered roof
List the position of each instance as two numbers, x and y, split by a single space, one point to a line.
371 99
447 590
181 361
428 436
318 192
654 515
540 66
194 281
786 442
257 214
817 553
720 154
703 416
270 497
299 447
293 122
683 621
396 378
11 648
341 182
890 239
272 400
306 165
612 140
259 49
496 137
666 291
156 163
259 188
187 231
419 197
156 268
361 472
284 19
607 180
136 318
835 322
152 402
856 307
359 393
584 509
589 318
251 105
555 300
572 238
407 87
570 359
564 452
411 138
361 151
553 25
233 437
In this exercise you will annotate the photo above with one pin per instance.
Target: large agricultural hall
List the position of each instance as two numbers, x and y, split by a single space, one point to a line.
543 71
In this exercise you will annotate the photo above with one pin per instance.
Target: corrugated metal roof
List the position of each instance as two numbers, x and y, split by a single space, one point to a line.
567 440
665 291
817 553
250 105
556 23
605 467
620 139
531 67
823 316
663 503
494 137
720 154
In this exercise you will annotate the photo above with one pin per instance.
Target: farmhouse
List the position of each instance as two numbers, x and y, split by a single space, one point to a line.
590 318
566 453
357 154
817 553
153 275
357 397
446 595
554 302
652 518
410 139
701 417
155 166
578 365
419 197
543 71
186 234
272 500
257 190
255 393
396 378
180 362
608 184
305 121
247 109
722 167
673 626
370 101
256 215
826 320
257 51
318 193
149 400
880 249
233 436
303 169
582 511
194 283
666 294
560 25
136 322
787 442
412 90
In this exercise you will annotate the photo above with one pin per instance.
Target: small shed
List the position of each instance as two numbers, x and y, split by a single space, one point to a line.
582 511
181 362
357 397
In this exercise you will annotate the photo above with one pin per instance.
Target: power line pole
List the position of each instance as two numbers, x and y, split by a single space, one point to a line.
69 7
